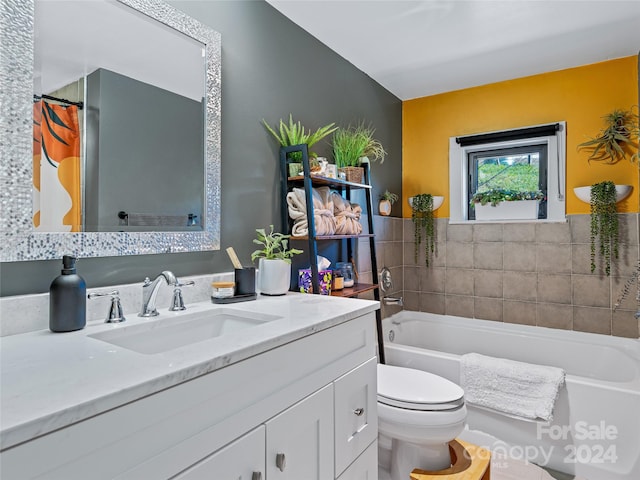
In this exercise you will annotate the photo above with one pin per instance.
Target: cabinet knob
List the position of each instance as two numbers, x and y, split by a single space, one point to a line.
256 476
359 411
281 462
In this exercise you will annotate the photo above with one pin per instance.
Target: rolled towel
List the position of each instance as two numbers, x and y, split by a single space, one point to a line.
515 388
347 215
322 211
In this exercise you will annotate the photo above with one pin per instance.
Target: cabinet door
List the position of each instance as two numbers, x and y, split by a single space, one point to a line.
300 440
365 467
240 460
356 411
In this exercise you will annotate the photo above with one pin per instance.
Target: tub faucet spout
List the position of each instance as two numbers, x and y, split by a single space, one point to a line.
150 292
393 301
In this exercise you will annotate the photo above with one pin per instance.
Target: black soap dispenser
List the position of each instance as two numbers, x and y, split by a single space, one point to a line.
67 299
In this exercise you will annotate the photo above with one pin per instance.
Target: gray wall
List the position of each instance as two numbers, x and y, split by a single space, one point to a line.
141 139
270 68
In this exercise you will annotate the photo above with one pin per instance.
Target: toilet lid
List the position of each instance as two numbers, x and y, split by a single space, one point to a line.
416 389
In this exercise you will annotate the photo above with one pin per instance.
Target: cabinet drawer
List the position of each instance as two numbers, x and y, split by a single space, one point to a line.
356 413
241 460
365 467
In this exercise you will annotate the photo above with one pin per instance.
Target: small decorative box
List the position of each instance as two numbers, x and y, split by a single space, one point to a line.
324 281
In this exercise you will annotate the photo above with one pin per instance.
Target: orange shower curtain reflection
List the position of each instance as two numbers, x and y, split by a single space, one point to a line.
56 168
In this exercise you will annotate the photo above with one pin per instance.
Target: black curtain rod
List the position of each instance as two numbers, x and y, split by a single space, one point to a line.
530 132
80 105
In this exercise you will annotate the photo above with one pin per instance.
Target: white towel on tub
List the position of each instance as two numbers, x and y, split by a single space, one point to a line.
515 388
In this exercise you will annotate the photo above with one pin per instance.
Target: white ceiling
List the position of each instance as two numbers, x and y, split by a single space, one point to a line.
424 47
74 38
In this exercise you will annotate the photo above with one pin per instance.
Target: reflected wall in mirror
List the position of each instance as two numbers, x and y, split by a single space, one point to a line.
177 171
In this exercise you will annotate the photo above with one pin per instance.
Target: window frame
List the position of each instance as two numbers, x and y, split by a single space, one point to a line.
556 169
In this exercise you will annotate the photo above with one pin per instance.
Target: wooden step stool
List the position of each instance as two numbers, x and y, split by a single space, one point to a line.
469 462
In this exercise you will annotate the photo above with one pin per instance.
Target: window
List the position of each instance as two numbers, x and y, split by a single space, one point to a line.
529 159
515 168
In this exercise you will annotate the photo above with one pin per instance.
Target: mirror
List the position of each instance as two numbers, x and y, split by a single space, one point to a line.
20 241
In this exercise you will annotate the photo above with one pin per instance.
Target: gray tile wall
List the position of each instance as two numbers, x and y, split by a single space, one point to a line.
534 274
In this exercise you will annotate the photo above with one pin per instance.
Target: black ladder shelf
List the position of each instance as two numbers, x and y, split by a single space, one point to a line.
308 181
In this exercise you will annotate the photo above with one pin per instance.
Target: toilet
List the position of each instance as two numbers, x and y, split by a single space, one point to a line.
421 413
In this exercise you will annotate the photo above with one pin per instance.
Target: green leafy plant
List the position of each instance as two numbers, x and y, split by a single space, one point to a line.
293 133
352 143
274 246
423 226
497 195
604 224
390 197
616 141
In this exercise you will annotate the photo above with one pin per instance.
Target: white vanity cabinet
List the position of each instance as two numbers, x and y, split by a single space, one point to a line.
302 410
241 460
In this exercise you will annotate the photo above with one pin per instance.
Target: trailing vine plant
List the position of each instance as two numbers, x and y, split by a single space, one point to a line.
604 224
626 288
423 225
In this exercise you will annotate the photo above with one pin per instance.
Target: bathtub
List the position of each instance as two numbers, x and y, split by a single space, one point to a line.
595 432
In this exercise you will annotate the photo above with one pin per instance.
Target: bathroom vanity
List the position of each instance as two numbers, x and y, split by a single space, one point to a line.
286 389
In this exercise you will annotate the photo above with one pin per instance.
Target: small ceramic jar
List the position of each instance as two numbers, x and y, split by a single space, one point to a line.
223 289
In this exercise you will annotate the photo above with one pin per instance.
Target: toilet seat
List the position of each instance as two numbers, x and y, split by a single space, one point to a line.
412 389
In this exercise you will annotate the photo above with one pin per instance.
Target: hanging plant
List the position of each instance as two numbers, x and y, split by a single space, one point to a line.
423 225
616 140
604 224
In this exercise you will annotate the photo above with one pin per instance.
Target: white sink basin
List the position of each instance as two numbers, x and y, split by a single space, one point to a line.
181 329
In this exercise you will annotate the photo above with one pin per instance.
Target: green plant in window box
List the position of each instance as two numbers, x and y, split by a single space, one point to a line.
293 133
497 195
618 140
423 225
604 224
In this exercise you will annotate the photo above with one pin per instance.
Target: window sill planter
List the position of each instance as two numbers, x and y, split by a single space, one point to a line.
515 210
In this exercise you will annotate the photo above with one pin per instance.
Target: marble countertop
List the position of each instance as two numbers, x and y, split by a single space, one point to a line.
51 380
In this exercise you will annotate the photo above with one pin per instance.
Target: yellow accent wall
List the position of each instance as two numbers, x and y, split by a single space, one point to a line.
580 96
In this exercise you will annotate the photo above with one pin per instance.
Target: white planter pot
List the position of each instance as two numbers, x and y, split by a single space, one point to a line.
584 193
274 276
516 210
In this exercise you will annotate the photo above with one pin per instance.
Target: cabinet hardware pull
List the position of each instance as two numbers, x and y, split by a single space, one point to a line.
256 476
359 411
281 462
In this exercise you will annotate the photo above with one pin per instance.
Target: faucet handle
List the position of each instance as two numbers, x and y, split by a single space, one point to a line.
177 302
115 314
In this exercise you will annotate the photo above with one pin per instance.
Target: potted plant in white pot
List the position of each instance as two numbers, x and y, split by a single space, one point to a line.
503 204
354 145
274 265
424 226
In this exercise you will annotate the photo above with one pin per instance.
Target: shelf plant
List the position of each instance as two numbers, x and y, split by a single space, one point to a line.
274 261
423 226
354 143
617 140
604 224
294 133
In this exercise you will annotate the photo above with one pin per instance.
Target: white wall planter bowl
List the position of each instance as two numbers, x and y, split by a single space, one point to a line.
437 201
584 193
516 210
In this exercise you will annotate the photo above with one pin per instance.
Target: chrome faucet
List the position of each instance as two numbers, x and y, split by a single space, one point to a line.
150 292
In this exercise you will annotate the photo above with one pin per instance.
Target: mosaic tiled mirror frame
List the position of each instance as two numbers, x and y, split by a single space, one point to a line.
18 241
